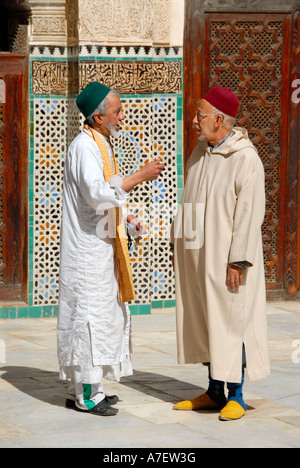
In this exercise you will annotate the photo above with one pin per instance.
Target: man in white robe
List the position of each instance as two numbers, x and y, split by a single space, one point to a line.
94 326
218 258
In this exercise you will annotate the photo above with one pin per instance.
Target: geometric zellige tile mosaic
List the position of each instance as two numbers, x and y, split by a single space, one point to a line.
148 132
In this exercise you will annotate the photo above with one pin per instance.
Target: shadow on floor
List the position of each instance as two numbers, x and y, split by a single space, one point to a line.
159 386
46 385
37 383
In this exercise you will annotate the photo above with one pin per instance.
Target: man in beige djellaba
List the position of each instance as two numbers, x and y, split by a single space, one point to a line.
218 259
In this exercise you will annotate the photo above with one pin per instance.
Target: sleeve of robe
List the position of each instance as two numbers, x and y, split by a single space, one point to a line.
98 193
249 210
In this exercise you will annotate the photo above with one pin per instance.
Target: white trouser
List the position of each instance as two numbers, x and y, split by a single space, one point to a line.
86 396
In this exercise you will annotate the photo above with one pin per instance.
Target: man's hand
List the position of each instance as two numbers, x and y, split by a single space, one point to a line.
151 170
234 278
140 228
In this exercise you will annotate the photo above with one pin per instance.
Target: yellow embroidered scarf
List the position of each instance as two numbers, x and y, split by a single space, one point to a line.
126 288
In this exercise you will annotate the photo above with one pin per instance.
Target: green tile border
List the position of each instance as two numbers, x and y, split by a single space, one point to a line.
24 312
48 311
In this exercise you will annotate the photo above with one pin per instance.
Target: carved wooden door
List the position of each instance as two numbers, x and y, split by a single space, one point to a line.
13 177
253 48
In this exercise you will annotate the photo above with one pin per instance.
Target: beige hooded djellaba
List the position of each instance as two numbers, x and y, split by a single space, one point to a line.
219 222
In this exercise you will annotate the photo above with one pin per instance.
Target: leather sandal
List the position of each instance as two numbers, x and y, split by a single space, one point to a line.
202 402
110 399
232 411
103 409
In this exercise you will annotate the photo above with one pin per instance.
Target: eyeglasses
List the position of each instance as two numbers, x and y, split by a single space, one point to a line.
201 116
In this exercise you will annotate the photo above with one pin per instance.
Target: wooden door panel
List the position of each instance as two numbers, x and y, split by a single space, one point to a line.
252 53
247 55
13 177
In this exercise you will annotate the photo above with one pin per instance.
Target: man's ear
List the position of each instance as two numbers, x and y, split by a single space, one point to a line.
98 118
219 119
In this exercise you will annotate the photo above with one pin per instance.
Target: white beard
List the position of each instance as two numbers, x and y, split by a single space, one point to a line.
114 133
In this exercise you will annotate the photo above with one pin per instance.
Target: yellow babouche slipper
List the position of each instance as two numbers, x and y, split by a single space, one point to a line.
202 402
232 411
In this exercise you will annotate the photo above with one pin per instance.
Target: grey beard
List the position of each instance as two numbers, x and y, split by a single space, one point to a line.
114 133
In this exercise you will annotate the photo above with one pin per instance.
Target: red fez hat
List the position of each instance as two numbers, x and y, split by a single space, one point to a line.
224 100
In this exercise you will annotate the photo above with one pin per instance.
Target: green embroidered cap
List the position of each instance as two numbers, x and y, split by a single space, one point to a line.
91 96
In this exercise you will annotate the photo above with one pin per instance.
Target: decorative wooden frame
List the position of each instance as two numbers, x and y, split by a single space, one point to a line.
283 197
14 135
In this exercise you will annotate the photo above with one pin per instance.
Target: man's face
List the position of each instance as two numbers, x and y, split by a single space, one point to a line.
113 117
204 121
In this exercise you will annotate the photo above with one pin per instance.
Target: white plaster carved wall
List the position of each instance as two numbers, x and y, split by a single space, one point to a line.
67 22
124 21
177 23
48 23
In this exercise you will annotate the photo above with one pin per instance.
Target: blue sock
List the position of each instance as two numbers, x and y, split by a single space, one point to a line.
216 390
235 392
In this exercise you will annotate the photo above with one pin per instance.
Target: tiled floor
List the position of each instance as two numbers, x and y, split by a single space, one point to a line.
32 412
